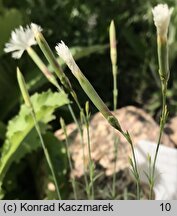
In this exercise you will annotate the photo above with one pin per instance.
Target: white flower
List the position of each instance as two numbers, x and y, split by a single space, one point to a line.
162 14
21 39
64 52
35 28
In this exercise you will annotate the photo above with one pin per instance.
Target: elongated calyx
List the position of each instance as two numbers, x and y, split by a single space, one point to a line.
64 52
161 16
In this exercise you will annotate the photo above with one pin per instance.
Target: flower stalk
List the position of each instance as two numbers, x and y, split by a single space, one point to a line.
51 78
22 39
161 14
113 56
28 103
53 62
50 57
61 75
97 101
91 162
73 180
64 52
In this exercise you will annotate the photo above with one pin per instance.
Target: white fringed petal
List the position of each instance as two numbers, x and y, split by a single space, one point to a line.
21 39
64 52
162 15
35 28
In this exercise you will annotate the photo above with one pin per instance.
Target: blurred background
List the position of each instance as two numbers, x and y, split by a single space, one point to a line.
86 24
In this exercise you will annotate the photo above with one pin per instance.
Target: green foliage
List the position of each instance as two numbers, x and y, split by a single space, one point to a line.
22 124
35 163
83 24
35 79
86 23
9 19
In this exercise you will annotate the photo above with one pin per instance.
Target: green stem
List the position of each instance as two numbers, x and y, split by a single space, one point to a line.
42 67
52 60
137 174
97 101
115 88
115 95
64 80
70 163
115 163
94 97
46 154
162 124
85 176
137 178
90 160
164 73
74 117
82 142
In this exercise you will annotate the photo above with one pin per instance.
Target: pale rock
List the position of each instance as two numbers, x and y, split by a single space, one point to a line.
140 125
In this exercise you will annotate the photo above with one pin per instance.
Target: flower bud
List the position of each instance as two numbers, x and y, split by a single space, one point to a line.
161 15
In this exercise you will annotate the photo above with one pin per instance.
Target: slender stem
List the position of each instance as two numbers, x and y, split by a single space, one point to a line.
34 56
89 150
88 140
115 101
115 165
128 138
73 181
85 176
137 174
162 124
115 88
46 154
90 159
52 60
74 117
82 141
64 80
